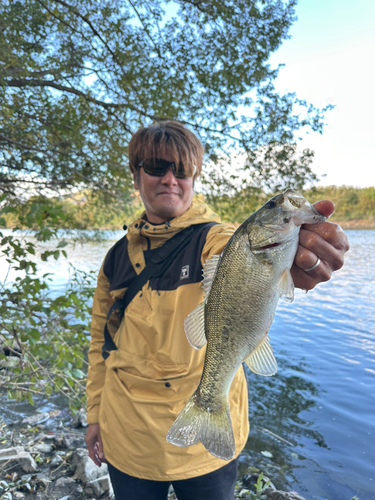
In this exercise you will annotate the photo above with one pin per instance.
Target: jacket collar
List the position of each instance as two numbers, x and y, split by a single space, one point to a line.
141 233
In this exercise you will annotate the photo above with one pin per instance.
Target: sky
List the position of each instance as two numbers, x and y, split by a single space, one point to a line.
330 59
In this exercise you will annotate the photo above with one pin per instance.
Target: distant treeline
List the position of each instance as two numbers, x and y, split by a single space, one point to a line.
355 208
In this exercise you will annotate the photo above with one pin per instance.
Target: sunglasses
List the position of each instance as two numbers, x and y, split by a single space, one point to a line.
158 168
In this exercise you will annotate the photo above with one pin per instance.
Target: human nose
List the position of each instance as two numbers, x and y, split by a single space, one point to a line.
169 178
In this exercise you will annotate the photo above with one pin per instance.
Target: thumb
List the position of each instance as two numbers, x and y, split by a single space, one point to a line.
325 207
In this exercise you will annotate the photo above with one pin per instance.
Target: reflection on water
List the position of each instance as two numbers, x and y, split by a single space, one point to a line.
322 400
323 397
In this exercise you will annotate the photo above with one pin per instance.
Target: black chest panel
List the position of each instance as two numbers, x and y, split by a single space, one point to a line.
186 268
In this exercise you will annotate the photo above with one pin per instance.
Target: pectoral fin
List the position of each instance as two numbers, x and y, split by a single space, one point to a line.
194 327
209 272
261 360
286 286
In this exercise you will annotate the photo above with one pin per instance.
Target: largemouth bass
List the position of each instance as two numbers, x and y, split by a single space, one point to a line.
242 288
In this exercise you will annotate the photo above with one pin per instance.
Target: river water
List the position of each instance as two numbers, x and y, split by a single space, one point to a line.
320 406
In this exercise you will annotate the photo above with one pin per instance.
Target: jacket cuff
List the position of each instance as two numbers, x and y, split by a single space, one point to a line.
93 417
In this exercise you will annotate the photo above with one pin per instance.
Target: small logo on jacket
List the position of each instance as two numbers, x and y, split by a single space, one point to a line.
184 272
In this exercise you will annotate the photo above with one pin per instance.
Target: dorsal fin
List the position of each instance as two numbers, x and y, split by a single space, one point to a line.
209 272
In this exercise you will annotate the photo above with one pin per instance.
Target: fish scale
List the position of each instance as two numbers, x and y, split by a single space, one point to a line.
242 288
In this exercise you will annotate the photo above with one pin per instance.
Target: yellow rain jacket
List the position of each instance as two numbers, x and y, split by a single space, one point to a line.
137 393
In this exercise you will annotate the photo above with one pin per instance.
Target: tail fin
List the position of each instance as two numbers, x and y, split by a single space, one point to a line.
212 428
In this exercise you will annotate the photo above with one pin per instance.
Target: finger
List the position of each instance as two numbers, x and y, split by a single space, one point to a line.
313 245
305 259
93 455
325 207
330 232
100 449
303 280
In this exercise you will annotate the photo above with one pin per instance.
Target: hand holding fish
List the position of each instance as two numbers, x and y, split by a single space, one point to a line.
325 241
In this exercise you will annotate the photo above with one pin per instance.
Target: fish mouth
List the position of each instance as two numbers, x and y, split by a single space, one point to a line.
266 247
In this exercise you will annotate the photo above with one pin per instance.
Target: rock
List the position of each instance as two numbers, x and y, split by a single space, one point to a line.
6 453
99 486
86 471
36 419
26 462
73 440
56 460
282 495
41 478
17 495
17 457
80 419
41 448
64 486
62 470
50 436
78 455
84 467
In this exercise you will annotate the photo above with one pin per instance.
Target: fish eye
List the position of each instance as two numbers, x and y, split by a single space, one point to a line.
271 204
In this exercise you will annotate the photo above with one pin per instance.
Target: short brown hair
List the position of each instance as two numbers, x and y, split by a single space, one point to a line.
171 136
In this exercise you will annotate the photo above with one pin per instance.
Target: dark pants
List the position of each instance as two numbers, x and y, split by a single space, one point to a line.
217 485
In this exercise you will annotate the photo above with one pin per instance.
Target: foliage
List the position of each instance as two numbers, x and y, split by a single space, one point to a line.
43 339
260 486
350 203
82 210
88 210
77 79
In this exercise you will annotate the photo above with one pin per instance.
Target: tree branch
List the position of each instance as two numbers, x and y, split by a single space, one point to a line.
146 30
65 153
196 4
97 34
24 82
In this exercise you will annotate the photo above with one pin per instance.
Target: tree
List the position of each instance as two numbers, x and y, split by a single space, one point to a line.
77 79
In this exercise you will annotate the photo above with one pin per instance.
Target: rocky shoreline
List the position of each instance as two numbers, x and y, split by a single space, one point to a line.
37 463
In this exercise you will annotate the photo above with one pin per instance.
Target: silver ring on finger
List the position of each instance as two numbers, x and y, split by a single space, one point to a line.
314 266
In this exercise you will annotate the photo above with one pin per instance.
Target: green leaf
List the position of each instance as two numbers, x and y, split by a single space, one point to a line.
76 373
34 333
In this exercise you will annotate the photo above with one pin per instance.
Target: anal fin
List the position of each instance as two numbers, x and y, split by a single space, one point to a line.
261 360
